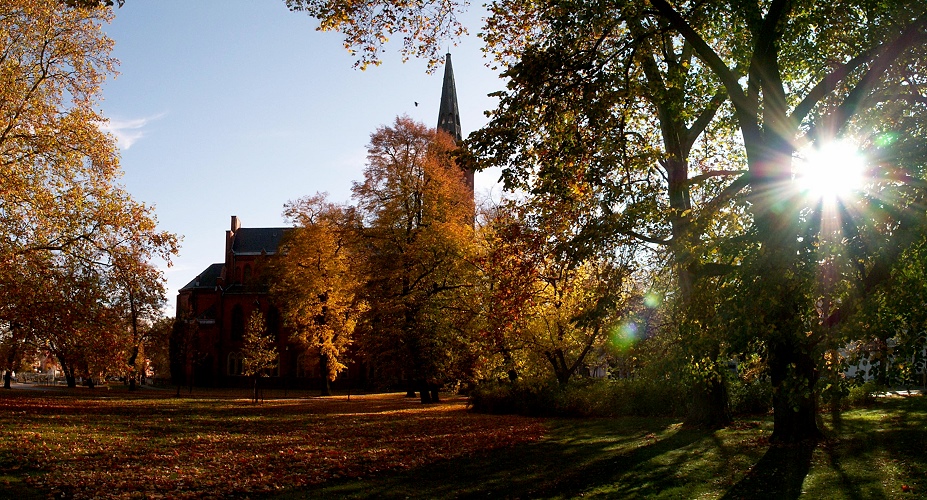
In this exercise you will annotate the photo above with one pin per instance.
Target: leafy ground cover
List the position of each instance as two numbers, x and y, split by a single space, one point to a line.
113 445
386 446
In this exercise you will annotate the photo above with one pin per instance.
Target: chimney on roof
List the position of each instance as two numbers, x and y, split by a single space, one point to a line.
229 240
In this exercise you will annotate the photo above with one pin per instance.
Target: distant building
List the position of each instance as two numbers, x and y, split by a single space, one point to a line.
221 299
449 113
217 303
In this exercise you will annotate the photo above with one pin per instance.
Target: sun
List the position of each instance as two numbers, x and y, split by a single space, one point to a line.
831 171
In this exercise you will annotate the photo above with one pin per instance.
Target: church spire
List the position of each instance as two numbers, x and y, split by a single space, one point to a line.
449 113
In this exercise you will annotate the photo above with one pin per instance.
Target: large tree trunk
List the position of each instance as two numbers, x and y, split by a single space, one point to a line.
12 354
69 375
326 389
558 363
132 374
508 361
135 339
424 391
778 294
795 403
708 404
882 368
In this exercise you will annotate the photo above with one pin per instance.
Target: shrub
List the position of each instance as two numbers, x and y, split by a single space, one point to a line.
863 395
751 397
520 397
584 398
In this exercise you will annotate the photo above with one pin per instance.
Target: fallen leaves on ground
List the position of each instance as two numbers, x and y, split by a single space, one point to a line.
212 448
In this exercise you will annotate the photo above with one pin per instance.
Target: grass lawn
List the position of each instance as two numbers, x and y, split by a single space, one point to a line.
109 443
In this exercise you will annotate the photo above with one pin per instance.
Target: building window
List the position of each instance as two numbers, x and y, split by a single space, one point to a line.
273 321
238 323
235 363
275 370
247 276
308 366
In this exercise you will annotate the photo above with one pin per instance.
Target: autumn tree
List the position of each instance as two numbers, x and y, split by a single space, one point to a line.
138 292
629 130
14 353
64 220
157 350
74 322
316 281
183 349
92 4
54 61
507 267
417 229
547 300
259 351
368 27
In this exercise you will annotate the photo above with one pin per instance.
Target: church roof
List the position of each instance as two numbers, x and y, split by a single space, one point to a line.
207 278
449 112
258 240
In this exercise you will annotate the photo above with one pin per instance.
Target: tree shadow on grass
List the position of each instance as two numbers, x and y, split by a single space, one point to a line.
778 475
567 466
874 451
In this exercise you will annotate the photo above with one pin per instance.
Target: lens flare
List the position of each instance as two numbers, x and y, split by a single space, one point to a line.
652 300
624 336
829 172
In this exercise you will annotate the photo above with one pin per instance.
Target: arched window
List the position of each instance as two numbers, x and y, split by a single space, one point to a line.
247 276
238 323
235 363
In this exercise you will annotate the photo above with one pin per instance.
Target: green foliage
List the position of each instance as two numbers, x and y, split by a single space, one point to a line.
888 333
863 395
753 397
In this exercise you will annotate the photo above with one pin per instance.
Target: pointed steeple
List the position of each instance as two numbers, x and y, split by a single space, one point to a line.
449 113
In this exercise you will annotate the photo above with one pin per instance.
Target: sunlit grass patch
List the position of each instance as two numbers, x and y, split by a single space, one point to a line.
658 458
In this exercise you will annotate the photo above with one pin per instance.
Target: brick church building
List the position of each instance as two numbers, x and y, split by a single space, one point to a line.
213 308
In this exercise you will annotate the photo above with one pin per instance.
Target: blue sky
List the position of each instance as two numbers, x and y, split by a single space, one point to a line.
235 107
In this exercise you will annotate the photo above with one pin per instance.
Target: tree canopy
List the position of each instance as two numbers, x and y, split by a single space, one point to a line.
74 246
598 91
317 281
417 218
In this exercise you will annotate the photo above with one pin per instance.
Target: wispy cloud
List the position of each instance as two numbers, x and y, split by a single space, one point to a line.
128 131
